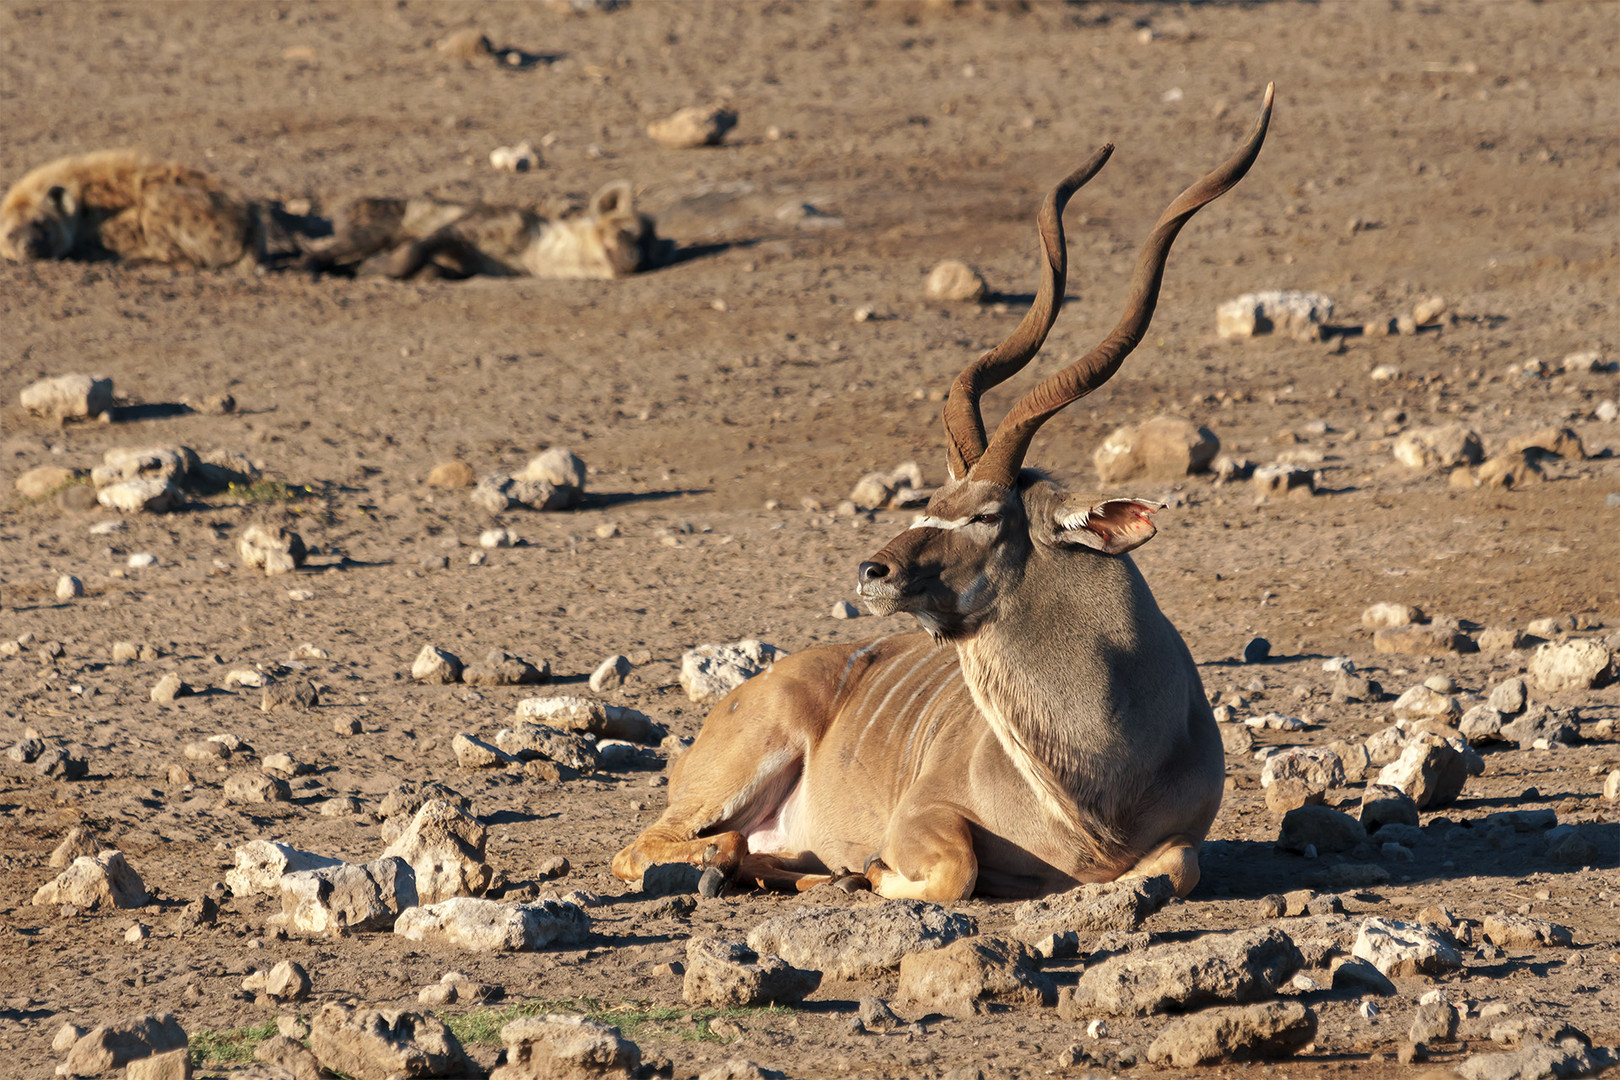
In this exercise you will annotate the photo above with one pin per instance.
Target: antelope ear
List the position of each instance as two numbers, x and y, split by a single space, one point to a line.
615 198
1112 527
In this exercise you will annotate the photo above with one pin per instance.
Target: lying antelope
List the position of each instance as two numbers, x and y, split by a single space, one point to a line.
1047 727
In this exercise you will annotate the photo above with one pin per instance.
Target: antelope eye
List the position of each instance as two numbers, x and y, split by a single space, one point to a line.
985 519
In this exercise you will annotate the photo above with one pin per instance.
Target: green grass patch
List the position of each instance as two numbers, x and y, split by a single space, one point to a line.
234 1046
260 492
634 1019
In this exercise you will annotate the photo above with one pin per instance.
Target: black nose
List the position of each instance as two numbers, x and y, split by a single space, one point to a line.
872 571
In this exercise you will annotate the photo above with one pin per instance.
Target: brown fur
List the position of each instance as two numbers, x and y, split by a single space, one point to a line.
402 238
123 204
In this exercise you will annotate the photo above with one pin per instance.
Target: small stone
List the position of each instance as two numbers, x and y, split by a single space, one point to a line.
275 550
260 865
1580 664
1257 651
299 695
1508 697
1500 639
68 397
282 766
474 753
670 879
1522 932
500 668
967 974
559 467
69 587
588 716
858 943
1236 741
286 1054
125 651
1274 721
247 788
1382 805
876 1015
693 127
437 994
89 882
168 688
1386 614
566 1046
1434 448
1360 976
1569 848
729 974
371 1044
25 750
610 674
288 981
1611 786
1272 1029
492 926
1319 768
1422 703
1432 770
1163 448
344 898
1400 949
709 672
956 282
141 496
1288 312
452 474
77 843
497 538
1429 310
1214 968
434 665
1426 640
1322 828
1283 479
59 763
444 845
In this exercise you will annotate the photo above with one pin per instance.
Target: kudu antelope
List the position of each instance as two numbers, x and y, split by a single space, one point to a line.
1047 727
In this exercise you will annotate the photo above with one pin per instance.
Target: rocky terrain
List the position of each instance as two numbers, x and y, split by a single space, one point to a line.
344 623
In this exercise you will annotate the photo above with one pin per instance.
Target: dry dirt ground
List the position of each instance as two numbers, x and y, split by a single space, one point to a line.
1461 149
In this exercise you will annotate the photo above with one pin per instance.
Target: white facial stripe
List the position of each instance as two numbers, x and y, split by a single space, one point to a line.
925 522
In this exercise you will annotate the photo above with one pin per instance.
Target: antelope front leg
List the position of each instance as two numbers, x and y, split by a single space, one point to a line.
1176 857
744 763
671 839
928 855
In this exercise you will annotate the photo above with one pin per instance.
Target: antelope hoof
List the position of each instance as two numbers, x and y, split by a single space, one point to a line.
848 881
